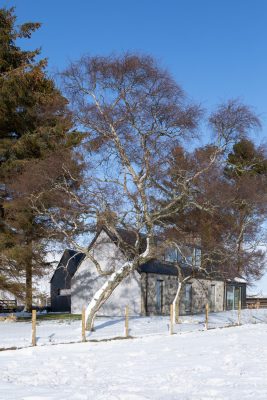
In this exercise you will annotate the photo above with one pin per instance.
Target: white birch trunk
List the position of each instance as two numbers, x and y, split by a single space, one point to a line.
102 295
176 303
106 290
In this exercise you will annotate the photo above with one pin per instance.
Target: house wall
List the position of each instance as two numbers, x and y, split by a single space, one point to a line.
200 294
149 295
62 280
87 281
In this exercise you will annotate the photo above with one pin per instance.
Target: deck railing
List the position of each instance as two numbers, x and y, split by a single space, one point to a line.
256 302
8 305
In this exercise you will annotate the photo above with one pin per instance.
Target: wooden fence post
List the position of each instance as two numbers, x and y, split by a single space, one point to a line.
126 321
239 312
207 316
33 327
83 325
171 319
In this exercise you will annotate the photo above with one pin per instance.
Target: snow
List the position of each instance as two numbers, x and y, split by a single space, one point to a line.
202 365
18 334
240 280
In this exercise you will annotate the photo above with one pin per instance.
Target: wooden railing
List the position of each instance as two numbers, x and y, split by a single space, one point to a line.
8 305
256 302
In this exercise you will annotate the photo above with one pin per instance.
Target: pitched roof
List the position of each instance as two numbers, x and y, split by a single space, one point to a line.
156 266
125 239
70 261
128 238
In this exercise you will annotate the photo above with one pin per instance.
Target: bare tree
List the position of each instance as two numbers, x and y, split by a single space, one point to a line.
134 116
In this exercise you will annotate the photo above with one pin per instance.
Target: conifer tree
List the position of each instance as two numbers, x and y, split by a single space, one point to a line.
246 169
36 150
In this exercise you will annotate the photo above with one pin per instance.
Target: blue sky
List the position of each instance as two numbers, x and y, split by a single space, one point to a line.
216 49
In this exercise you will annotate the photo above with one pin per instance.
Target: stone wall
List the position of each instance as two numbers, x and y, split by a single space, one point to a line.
201 294
149 297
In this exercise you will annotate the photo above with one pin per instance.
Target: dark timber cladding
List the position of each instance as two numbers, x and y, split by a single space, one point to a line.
61 280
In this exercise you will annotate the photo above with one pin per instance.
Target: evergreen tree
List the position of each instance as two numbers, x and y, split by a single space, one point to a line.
246 159
246 169
36 150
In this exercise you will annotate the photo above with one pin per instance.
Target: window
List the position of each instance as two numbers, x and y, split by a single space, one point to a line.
197 257
64 292
171 254
237 296
233 295
230 297
190 256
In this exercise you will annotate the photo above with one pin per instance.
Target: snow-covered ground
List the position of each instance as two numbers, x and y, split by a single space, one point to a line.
219 364
18 334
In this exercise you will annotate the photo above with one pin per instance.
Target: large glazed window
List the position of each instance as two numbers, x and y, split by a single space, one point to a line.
233 295
185 255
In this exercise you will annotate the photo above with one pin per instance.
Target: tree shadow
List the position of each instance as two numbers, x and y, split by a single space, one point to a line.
113 321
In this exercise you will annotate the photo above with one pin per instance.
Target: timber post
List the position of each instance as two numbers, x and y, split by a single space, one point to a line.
33 327
239 312
83 325
207 316
126 321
